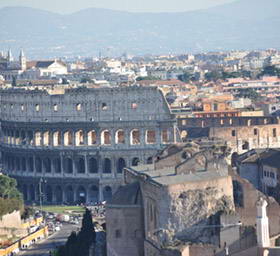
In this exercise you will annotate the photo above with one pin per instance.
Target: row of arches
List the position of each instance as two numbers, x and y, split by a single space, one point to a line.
84 138
68 165
68 194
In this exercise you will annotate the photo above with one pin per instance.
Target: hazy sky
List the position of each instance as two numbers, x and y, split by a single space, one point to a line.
67 6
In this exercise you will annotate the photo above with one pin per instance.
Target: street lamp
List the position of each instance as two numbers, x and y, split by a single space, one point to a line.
41 193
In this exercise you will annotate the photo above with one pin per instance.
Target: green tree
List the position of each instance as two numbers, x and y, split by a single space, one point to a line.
248 93
141 78
213 75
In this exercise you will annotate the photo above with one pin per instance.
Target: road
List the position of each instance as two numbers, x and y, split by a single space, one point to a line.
55 240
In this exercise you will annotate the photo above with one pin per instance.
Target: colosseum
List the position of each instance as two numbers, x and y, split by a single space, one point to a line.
73 143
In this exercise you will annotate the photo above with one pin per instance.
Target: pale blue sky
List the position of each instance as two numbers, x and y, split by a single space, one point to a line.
68 6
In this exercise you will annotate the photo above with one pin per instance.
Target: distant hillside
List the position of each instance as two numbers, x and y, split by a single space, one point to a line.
245 24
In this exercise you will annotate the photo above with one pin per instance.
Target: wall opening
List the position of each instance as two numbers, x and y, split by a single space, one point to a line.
93 165
135 137
120 165
105 138
120 137
107 165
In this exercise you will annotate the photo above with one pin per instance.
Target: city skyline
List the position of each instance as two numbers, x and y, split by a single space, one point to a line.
123 5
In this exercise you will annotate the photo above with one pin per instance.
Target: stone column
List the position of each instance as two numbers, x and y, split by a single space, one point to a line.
100 193
262 224
86 164
61 164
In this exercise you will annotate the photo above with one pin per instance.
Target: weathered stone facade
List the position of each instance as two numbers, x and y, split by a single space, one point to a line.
241 133
76 141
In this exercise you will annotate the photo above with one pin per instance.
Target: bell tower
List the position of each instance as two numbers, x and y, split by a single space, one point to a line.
22 60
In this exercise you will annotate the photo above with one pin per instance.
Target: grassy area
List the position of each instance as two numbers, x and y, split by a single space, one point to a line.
64 209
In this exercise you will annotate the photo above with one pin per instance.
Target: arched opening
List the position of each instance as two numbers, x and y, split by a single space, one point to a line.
92 139
165 136
150 160
57 138
107 165
105 138
120 137
238 194
107 193
93 165
37 139
68 140
80 164
245 145
47 165
23 164
120 165
58 195
68 165
25 192
30 164
81 195
46 138
49 194
32 193
69 192
79 137
23 138
17 138
17 163
135 161
57 165
135 137
184 135
94 194
30 138
38 164
150 137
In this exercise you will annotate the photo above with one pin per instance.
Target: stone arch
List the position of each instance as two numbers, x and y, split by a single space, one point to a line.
30 138
38 138
245 145
238 194
25 192
79 138
81 195
120 165
135 161
31 164
107 165
93 165
23 164
23 137
135 137
49 194
184 134
68 165
57 165
93 194
150 137
17 137
165 136
150 160
105 137
57 138
17 163
58 194
38 164
47 165
68 138
69 194
80 165
120 137
92 138
32 193
107 193
46 138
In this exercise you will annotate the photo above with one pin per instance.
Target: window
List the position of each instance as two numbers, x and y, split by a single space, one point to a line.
104 106
37 107
274 132
134 105
22 107
118 233
12 106
55 107
255 131
79 107
233 133
150 137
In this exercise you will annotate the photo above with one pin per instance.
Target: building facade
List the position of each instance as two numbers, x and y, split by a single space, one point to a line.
73 144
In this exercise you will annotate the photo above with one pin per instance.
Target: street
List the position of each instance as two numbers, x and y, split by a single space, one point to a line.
49 244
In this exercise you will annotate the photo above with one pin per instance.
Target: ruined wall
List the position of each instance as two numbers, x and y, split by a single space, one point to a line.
11 223
125 234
